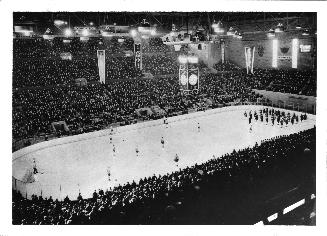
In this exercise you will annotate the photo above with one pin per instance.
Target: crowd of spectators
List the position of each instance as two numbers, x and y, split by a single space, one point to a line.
227 87
226 66
118 45
37 62
121 68
35 48
161 64
47 72
293 81
155 45
151 200
35 110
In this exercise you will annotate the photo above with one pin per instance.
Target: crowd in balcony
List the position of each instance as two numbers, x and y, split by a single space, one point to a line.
48 72
226 66
302 82
37 62
155 45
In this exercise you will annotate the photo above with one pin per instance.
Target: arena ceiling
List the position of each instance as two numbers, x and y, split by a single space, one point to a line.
161 19
244 21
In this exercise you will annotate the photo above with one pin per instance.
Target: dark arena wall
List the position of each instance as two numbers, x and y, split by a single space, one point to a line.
263 54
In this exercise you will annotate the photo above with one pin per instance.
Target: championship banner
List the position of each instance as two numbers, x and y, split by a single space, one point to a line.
285 48
102 65
285 53
249 59
138 56
183 78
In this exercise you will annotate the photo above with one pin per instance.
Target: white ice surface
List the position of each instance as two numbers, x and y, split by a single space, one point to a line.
82 166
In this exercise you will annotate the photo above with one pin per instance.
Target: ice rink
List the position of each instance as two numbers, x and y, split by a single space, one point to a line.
69 167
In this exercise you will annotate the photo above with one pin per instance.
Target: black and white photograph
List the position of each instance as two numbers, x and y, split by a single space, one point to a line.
180 117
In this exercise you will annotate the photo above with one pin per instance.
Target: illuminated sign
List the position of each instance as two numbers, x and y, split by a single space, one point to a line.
86 30
305 48
274 53
295 46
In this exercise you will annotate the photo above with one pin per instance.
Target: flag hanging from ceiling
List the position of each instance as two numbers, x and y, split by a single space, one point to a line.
102 65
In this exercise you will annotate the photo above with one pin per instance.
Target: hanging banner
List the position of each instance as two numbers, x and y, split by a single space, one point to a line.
138 56
102 65
285 53
193 78
222 44
249 59
183 77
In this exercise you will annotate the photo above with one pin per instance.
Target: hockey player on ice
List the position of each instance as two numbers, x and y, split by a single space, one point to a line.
137 151
162 142
109 174
245 114
34 167
176 159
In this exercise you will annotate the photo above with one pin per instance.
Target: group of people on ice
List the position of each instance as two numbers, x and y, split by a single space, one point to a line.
278 117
